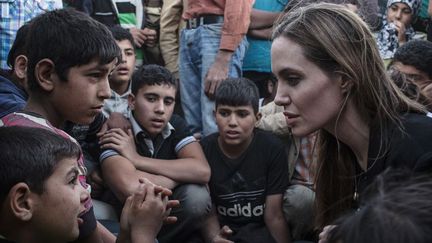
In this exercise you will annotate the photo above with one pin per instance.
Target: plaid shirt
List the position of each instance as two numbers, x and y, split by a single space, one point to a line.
305 167
13 15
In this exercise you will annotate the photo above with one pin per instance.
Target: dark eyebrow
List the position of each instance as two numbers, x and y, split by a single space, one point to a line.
151 94
169 97
73 171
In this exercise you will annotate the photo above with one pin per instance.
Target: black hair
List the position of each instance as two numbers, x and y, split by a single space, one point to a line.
397 208
68 38
416 53
237 92
152 75
121 34
30 155
409 88
18 46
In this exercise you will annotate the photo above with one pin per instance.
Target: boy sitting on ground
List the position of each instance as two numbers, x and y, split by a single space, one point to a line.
32 203
249 170
161 148
70 57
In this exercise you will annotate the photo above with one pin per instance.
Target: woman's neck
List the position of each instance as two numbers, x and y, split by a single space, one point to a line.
353 130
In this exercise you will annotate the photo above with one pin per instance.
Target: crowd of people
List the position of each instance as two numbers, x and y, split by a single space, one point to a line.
215 121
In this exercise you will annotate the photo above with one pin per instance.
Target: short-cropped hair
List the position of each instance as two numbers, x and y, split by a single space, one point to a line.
237 92
30 155
69 39
152 75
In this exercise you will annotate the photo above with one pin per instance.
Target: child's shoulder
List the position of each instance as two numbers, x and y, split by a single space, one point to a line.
267 139
209 140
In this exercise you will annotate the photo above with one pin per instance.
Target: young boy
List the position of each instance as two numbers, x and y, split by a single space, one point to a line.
70 57
249 170
32 203
160 148
120 78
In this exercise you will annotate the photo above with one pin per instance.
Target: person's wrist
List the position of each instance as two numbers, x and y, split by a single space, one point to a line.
140 234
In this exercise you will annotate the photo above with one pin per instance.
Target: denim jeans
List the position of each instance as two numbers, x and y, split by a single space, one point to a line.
198 49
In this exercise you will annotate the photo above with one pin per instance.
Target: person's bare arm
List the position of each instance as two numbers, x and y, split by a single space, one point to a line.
217 72
274 219
261 19
190 167
211 230
122 177
264 34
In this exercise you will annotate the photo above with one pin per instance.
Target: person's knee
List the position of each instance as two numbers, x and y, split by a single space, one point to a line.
298 201
195 200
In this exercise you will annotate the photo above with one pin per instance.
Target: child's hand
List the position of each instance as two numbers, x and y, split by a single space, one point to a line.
97 183
171 203
323 236
222 236
400 30
144 212
120 141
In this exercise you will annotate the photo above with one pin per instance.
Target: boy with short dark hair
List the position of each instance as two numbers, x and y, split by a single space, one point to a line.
249 170
120 78
415 60
32 203
70 57
161 148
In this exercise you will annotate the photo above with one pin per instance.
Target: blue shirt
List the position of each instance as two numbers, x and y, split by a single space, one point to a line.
257 56
13 15
12 98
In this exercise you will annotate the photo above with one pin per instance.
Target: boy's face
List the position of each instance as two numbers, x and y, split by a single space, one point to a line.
420 78
81 97
235 124
124 71
56 211
153 106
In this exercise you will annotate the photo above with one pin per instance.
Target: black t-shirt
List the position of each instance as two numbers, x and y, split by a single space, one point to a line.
239 187
411 149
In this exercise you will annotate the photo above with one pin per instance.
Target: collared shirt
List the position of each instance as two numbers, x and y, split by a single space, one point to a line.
236 18
170 141
117 103
14 14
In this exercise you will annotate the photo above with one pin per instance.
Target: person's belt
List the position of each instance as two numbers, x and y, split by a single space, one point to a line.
206 19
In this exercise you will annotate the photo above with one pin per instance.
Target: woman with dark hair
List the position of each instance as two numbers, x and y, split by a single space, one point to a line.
331 79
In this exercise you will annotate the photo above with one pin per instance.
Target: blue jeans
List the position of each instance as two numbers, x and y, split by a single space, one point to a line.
198 49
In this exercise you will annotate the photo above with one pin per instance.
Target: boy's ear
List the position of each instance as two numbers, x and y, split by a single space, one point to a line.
131 101
21 202
20 69
44 73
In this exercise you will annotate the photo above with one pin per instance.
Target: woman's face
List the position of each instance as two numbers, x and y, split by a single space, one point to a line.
311 98
399 12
